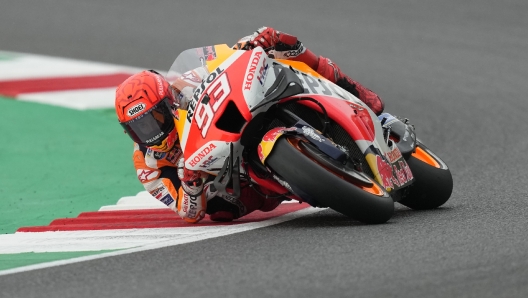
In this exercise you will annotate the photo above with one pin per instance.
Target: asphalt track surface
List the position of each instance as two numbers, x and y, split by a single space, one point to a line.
457 69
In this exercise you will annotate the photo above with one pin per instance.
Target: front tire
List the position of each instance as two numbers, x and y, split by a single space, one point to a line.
330 190
433 183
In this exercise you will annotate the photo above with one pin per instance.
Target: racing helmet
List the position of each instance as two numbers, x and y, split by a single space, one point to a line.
146 108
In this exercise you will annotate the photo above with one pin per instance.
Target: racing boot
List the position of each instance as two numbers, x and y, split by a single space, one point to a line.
225 208
332 72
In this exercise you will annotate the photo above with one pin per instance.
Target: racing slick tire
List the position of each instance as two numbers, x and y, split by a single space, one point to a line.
433 183
327 187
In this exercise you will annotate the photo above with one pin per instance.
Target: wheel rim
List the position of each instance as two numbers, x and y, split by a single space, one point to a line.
425 157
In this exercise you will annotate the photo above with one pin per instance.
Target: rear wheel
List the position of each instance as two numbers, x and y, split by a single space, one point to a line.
319 177
433 181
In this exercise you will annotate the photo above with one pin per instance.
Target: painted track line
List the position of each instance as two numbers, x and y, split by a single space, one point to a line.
214 232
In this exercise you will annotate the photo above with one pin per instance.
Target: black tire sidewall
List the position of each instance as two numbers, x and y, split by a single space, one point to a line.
432 186
328 189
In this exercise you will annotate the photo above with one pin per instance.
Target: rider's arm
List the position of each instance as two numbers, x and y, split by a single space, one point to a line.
282 45
161 182
159 175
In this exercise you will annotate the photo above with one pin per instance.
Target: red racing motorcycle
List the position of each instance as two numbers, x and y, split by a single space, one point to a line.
280 127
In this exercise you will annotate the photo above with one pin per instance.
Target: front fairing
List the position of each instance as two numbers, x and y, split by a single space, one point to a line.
235 78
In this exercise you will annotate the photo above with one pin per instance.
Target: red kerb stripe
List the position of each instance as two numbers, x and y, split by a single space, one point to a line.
15 87
141 219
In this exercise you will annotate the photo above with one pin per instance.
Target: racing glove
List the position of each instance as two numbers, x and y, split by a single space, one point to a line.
192 202
278 45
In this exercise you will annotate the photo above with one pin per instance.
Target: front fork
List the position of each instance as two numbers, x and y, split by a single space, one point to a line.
399 131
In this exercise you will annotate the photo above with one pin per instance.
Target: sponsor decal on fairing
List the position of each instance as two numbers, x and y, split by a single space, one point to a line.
209 161
217 93
201 154
256 77
391 175
201 157
251 72
199 93
268 141
214 94
385 171
394 155
313 85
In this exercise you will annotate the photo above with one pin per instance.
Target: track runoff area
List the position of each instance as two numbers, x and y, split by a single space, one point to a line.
67 182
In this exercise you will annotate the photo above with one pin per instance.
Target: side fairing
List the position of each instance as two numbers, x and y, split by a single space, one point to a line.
389 167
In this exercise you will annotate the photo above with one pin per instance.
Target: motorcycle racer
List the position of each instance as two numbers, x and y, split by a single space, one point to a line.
146 106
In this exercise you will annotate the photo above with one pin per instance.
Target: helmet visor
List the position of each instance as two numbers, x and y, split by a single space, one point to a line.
152 127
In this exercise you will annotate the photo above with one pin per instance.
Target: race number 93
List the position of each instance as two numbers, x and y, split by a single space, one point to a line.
213 98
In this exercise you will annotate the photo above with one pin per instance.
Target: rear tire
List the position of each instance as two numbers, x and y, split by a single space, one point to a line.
328 189
433 185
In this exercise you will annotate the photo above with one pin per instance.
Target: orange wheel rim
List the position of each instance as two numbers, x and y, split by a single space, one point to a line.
374 189
425 157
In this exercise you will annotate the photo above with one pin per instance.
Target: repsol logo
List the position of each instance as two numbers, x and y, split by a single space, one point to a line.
190 206
136 109
193 207
199 90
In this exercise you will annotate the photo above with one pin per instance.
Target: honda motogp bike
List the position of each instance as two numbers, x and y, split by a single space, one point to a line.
280 127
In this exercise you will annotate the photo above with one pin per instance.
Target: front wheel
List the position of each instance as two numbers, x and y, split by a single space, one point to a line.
368 203
433 181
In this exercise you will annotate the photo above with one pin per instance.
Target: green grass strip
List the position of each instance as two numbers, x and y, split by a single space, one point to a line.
4 56
57 162
10 261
